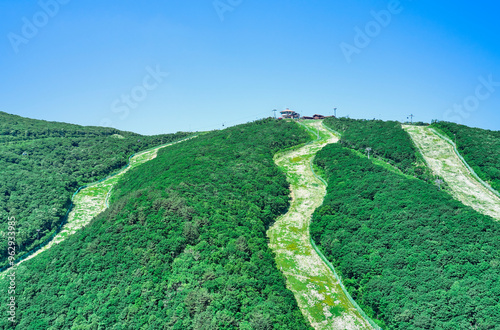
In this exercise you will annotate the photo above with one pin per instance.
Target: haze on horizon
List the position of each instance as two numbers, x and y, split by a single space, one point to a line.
160 67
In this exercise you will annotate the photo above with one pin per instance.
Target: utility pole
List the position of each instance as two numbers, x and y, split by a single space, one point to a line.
368 150
335 112
275 113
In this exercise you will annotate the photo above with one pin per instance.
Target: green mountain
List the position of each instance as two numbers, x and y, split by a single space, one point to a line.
409 254
183 245
42 164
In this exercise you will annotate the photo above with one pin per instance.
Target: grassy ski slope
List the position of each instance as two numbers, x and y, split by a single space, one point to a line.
444 162
315 286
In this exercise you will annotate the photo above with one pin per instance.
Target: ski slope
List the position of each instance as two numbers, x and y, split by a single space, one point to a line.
316 287
444 161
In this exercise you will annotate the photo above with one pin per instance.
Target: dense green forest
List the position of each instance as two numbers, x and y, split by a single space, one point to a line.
386 139
409 253
43 163
182 246
479 147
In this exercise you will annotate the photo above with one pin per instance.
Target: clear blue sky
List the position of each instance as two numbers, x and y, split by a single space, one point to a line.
90 62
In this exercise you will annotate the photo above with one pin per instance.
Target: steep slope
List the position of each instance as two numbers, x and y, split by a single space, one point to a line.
91 200
479 147
316 288
182 246
42 164
445 163
385 140
409 253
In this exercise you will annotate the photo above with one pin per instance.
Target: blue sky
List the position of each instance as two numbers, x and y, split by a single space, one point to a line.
165 66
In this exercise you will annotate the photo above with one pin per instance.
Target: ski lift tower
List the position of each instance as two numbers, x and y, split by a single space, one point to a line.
411 118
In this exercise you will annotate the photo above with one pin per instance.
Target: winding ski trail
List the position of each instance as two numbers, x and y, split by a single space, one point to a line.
444 161
91 200
317 290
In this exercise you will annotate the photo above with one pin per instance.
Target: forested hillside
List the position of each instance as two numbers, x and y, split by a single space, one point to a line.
43 163
409 253
385 139
479 147
182 246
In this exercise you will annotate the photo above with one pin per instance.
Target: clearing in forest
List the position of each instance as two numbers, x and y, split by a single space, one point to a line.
445 163
316 289
93 199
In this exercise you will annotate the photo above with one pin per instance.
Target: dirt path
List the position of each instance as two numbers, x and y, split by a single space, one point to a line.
316 289
92 200
444 162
